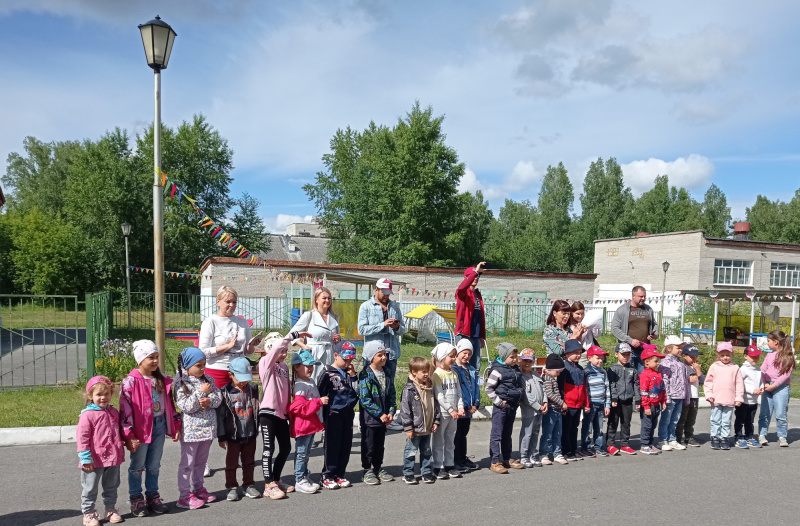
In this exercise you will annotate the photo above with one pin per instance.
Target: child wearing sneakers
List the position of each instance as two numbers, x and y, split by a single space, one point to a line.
724 389
745 414
340 384
419 413
533 406
471 395
623 381
237 428
99 451
573 384
550 443
447 390
654 399
504 388
599 404
684 431
304 416
676 387
376 397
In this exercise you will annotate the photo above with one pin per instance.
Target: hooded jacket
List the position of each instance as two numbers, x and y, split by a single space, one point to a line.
676 380
99 438
470 389
623 382
136 408
374 402
341 390
534 393
651 385
304 411
572 382
199 424
237 413
412 415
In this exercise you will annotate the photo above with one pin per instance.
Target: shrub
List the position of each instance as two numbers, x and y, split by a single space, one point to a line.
115 359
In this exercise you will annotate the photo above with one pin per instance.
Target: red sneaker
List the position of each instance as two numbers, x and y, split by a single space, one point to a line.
627 450
612 450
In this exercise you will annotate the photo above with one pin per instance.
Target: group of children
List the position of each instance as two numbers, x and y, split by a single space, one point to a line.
436 407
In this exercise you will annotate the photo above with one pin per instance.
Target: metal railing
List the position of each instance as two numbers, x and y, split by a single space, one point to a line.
99 321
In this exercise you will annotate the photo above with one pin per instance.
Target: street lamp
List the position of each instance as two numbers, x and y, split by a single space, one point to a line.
158 38
126 231
665 266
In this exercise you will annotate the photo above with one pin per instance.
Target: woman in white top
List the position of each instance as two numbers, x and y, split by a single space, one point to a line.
323 324
224 337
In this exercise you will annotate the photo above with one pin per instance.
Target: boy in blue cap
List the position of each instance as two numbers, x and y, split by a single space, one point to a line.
237 428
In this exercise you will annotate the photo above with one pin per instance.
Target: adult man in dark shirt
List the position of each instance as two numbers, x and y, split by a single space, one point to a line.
635 324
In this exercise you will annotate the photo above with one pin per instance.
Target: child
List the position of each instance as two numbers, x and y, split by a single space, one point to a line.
273 413
623 382
100 451
676 387
471 396
550 443
599 404
684 431
745 414
237 428
534 405
147 415
339 383
654 398
724 389
447 391
419 412
504 388
573 384
777 373
376 397
304 416
197 397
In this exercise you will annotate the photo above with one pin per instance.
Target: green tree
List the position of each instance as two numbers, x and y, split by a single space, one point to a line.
716 214
247 226
510 236
389 196
553 228
767 219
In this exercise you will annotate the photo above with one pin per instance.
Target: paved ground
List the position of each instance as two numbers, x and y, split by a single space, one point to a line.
697 486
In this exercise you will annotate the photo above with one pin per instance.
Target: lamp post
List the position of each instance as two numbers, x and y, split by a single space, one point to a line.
126 231
158 38
665 266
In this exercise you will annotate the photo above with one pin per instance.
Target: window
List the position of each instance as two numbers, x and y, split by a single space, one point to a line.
732 272
784 275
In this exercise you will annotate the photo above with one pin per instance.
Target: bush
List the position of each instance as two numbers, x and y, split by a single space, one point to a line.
115 359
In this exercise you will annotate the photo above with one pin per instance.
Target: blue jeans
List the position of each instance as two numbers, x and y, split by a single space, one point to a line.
593 419
550 443
777 402
301 447
475 359
423 445
147 459
636 359
721 421
500 442
669 420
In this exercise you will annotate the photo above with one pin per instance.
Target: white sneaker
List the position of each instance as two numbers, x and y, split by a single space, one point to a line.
782 442
763 440
305 486
664 446
207 471
677 445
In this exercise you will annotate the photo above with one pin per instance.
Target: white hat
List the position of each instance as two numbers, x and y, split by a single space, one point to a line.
672 340
442 350
385 285
142 349
464 344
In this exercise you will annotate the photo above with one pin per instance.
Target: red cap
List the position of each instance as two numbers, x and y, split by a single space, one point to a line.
753 351
650 351
595 350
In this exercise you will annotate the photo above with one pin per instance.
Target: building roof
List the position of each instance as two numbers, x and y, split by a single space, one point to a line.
296 248
718 241
649 235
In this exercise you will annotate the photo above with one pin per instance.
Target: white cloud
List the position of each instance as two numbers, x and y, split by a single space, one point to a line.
277 224
694 171
518 181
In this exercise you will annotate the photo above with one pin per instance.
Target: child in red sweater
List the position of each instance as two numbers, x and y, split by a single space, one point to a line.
654 398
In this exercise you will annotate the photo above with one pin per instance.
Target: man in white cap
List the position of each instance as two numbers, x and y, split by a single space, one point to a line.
380 318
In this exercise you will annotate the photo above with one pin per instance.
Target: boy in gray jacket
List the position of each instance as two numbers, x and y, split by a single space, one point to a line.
533 406
623 382
419 415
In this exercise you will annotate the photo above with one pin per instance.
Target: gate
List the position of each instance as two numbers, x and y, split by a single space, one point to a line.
42 340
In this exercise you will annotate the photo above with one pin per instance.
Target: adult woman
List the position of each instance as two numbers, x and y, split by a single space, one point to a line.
470 313
558 329
323 324
224 337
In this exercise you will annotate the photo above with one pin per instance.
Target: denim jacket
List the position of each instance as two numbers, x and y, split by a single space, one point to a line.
370 325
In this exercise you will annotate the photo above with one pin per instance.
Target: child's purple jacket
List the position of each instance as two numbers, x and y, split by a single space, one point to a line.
676 381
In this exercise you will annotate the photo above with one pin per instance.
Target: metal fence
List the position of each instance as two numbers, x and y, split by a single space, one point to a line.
99 321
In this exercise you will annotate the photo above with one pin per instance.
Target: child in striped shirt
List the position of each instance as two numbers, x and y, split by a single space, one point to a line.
550 442
599 404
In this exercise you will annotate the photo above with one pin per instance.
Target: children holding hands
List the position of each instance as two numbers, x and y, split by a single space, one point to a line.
724 389
447 390
420 415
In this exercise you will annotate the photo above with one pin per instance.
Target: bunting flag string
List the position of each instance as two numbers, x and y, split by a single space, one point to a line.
278 276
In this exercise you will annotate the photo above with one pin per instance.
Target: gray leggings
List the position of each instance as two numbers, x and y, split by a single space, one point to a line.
90 482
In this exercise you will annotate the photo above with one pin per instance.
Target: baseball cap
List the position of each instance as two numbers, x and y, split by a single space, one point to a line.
94 380
347 350
527 354
724 346
240 367
650 351
672 340
690 350
595 350
304 357
463 345
753 351
385 285
572 346
622 347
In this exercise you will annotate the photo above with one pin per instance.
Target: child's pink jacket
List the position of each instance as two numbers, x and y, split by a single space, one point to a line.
724 384
304 415
98 432
136 408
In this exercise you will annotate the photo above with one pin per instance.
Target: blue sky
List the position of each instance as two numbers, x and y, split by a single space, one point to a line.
705 92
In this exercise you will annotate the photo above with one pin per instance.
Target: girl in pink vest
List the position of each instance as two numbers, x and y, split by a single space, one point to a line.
100 451
148 416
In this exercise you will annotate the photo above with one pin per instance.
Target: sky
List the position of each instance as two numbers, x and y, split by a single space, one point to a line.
701 91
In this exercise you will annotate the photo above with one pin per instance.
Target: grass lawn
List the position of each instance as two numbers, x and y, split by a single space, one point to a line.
57 406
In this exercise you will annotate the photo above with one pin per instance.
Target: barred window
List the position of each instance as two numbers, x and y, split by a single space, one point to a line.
784 275
733 272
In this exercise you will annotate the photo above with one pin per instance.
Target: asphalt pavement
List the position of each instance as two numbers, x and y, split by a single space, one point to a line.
696 486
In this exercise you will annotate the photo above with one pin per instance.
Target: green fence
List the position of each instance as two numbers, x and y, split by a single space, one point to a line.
99 322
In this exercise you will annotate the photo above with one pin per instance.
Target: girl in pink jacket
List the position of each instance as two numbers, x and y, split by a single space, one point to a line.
100 451
724 390
304 413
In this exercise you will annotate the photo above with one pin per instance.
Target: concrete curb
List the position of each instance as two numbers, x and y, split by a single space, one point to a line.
39 436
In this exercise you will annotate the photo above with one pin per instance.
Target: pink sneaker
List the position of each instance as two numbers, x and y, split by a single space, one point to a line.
285 488
204 495
191 502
